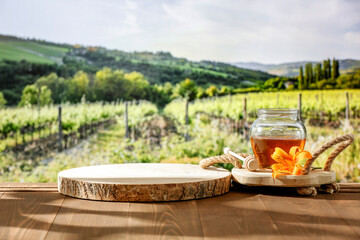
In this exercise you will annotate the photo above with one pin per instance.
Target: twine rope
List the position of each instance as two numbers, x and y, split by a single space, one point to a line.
346 140
225 158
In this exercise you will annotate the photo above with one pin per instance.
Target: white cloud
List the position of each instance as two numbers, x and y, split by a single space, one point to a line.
353 38
225 30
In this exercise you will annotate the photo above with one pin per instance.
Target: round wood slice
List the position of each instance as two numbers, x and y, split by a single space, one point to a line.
264 178
144 182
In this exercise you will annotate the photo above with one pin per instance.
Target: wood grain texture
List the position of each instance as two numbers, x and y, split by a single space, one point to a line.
81 219
349 185
310 218
25 215
174 220
236 215
347 206
144 182
28 187
250 213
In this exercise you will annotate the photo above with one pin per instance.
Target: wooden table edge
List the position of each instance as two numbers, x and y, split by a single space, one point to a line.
53 187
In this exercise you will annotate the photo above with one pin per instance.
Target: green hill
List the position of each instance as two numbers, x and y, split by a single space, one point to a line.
16 49
291 69
158 67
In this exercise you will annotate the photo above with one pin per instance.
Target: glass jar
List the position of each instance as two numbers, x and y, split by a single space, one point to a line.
276 127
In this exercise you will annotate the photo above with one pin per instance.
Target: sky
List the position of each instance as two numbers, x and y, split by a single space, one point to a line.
221 30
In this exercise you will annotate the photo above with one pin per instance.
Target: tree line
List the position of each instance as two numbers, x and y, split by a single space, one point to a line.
109 85
325 75
320 76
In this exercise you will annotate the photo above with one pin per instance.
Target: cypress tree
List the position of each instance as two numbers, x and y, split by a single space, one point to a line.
324 69
318 73
308 75
335 69
301 78
311 73
329 68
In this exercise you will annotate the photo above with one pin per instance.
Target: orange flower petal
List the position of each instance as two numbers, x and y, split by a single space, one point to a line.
293 151
281 153
288 164
276 166
302 155
298 170
281 173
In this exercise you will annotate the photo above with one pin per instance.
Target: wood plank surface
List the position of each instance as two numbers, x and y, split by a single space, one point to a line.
306 218
28 215
86 219
349 185
173 220
347 206
236 215
28 187
249 213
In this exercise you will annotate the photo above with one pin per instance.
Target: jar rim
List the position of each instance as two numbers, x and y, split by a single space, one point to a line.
277 111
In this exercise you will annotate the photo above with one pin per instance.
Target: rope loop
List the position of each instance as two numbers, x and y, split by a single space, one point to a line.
345 141
226 158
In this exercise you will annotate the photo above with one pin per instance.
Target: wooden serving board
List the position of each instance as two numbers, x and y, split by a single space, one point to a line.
264 178
144 182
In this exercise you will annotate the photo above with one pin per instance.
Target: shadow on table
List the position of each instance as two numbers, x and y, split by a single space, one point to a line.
81 219
289 192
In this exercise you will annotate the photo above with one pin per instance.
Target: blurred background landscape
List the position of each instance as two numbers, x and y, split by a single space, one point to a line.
99 82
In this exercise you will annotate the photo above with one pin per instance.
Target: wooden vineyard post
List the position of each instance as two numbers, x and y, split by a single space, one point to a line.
299 106
245 120
347 110
60 130
126 121
187 119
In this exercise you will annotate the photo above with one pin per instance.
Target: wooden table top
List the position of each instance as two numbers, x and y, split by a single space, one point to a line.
38 211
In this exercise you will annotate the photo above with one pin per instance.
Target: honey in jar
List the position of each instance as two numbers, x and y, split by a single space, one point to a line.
263 147
276 127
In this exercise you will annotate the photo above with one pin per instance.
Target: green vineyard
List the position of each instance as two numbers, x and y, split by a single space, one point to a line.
330 104
145 133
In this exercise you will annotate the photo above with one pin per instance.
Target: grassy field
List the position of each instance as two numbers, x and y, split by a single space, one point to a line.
30 51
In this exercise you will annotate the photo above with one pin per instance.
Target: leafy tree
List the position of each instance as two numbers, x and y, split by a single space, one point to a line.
186 89
33 95
224 91
278 83
138 85
77 87
2 100
349 80
111 85
56 84
200 92
301 78
211 91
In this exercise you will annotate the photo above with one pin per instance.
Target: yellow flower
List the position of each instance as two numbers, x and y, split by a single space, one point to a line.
288 163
